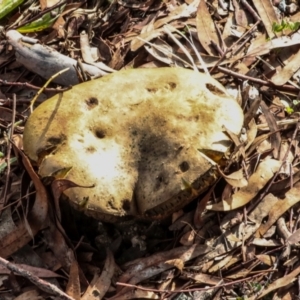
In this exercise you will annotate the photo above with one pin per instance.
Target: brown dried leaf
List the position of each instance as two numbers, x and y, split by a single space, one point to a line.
141 269
240 15
281 282
290 199
48 3
257 181
73 286
19 236
100 284
58 186
235 179
161 51
206 29
294 238
39 272
177 263
275 137
221 263
268 16
29 295
183 11
204 278
241 231
264 47
268 260
188 238
282 76
227 32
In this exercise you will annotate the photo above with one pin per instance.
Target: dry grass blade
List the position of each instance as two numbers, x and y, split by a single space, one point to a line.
181 47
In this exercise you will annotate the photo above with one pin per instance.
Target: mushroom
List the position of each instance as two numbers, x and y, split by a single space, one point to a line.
140 137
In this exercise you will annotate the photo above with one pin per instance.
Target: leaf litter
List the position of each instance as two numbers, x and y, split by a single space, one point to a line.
237 241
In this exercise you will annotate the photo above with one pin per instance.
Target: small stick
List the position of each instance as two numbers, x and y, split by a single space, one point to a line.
233 45
34 87
259 81
251 10
43 88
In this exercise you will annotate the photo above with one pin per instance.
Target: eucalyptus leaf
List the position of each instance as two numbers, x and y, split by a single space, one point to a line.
6 6
42 23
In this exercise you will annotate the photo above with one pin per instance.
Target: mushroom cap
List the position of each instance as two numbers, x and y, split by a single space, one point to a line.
137 136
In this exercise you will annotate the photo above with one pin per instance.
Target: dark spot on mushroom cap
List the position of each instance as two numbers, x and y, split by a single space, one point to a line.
55 140
184 166
215 90
152 90
92 102
91 149
99 133
172 85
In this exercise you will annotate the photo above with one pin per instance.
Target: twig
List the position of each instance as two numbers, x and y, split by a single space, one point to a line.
43 88
34 87
233 45
259 81
40 283
11 132
265 127
260 273
251 10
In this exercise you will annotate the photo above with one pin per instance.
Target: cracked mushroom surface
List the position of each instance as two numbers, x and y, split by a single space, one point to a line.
134 135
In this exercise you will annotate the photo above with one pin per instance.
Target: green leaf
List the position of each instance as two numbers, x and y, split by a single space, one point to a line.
4 164
6 6
279 27
289 110
42 23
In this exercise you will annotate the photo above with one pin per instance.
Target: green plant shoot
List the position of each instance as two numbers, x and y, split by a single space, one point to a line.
285 25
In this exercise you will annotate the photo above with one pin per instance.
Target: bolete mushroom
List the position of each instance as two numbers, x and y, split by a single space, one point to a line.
138 136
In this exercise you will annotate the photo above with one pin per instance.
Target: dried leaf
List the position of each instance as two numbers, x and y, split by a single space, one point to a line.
206 28
285 74
183 11
100 284
188 238
266 259
177 263
141 269
287 279
266 46
161 51
236 179
257 181
240 15
39 272
73 286
204 278
290 199
268 16
19 236
220 264
294 238
275 137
